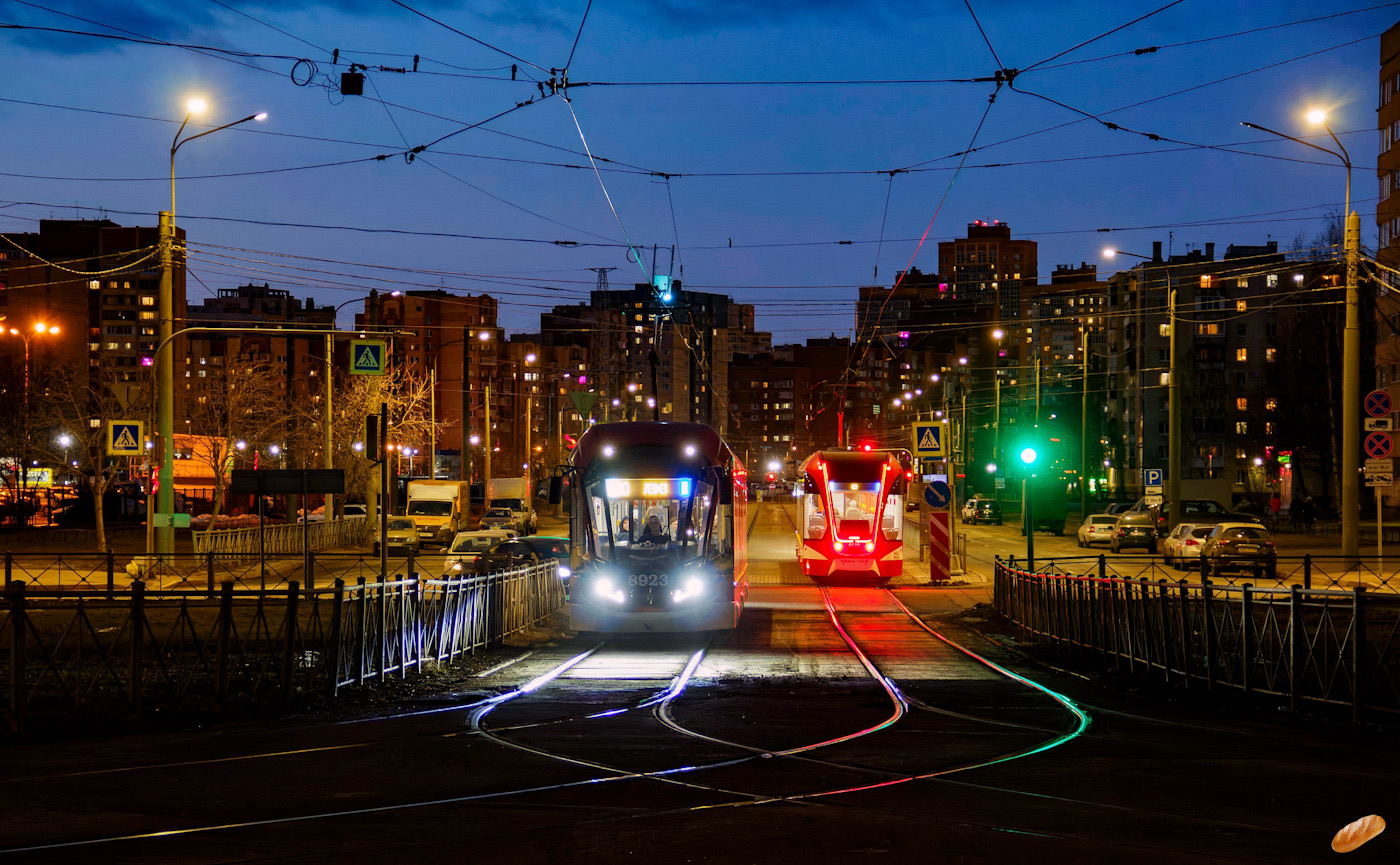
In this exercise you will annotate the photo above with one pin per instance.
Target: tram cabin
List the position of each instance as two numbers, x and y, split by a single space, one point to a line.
851 515
657 526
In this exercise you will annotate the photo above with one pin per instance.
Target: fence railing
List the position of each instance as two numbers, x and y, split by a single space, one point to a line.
84 652
1303 645
282 539
1379 575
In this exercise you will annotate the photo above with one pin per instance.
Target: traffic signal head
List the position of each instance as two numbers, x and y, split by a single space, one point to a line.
772 476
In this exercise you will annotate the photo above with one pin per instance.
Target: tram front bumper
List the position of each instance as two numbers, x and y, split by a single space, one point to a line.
587 615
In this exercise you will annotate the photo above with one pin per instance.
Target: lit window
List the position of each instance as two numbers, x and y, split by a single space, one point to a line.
1242 427
1271 404
1241 305
1241 354
1270 354
1268 427
1241 404
1206 280
1272 280
148 300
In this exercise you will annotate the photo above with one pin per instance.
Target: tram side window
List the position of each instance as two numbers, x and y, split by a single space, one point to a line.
813 517
892 524
721 537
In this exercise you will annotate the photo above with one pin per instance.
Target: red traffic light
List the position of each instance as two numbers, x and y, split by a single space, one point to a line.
865 447
771 476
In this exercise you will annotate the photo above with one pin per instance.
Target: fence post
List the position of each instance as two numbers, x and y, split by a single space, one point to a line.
1103 566
225 631
111 575
138 645
209 571
1358 650
415 607
9 568
1183 622
310 574
19 625
1208 614
1166 630
332 653
1307 571
1246 636
363 616
290 626
1295 643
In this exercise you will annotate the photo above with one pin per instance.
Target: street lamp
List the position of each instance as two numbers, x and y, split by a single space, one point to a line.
40 329
165 403
1351 346
1174 455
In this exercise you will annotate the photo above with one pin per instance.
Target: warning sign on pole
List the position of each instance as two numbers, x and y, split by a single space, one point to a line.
366 357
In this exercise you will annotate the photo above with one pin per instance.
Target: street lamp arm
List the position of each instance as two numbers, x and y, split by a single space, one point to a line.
177 143
1345 159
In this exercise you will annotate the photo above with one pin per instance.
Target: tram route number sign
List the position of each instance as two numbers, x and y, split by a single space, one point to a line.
1377 403
1378 445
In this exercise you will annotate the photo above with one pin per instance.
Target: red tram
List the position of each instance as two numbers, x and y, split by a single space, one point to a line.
851 514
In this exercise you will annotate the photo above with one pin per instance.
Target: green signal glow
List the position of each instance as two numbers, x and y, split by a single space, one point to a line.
1028 455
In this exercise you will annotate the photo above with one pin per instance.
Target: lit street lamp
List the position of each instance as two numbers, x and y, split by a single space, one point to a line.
1351 347
165 402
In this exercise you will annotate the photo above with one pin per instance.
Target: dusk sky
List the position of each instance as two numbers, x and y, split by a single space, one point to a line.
757 137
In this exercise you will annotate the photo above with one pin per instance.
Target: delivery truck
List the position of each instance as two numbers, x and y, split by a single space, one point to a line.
512 493
439 509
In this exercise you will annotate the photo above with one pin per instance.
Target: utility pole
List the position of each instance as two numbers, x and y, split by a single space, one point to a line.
1173 414
486 460
1084 432
165 402
328 461
1351 391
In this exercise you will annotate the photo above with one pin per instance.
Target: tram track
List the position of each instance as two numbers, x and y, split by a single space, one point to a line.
660 703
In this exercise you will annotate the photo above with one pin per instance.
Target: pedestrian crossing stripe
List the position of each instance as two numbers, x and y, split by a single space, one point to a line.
124 438
367 357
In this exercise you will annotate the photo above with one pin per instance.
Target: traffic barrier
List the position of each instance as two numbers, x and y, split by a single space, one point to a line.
283 538
1319 646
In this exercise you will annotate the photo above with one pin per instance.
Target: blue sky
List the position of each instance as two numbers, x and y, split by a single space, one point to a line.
757 185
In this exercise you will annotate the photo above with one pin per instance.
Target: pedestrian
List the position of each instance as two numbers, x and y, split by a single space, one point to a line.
1274 504
1309 513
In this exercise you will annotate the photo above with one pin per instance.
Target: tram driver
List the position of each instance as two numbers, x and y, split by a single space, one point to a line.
654 532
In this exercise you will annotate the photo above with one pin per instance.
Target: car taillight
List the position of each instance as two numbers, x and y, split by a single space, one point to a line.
1192 542
1122 532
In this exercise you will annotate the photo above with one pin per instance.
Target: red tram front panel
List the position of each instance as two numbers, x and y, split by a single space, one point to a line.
851 515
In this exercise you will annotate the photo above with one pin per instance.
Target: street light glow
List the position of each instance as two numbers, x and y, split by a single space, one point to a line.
196 105
261 115
998 333
1317 117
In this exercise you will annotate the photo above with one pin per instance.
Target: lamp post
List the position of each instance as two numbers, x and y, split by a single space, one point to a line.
40 329
1173 479
1351 347
165 369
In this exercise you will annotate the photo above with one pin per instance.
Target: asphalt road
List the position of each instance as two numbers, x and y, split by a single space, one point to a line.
829 727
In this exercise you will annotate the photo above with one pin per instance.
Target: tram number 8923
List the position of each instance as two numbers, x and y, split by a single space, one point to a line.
646 580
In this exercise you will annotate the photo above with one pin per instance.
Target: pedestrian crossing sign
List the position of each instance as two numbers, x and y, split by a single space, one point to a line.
125 439
928 440
366 357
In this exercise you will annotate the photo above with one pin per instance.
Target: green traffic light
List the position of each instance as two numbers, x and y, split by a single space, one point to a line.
1028 455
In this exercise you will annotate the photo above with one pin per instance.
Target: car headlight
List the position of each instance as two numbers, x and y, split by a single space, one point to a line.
457 565
564 572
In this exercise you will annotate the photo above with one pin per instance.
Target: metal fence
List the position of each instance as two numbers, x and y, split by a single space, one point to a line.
1322 646
283 538
1307 571
73 653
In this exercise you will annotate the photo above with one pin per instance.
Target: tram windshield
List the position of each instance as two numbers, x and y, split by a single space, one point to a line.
649 519
853 509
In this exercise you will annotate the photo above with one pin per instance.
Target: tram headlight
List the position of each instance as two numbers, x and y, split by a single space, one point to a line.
692 586
605 588
564 572
840 546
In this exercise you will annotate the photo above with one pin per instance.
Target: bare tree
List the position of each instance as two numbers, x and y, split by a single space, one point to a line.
359 396
64 401
238 406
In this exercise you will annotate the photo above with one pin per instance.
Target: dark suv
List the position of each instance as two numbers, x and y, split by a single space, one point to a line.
987 511
1135 529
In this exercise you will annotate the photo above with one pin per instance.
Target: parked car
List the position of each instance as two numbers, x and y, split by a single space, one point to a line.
499 518
548 548
1135 529
513 553
1096 529
467 547
1239 547
987 511
1183 545
401 539
1116 508
352 511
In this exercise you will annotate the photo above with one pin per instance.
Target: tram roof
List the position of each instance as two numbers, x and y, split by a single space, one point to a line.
851 466
630 435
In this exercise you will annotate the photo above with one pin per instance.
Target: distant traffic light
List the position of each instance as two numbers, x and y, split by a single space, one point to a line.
1029 455
772 476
